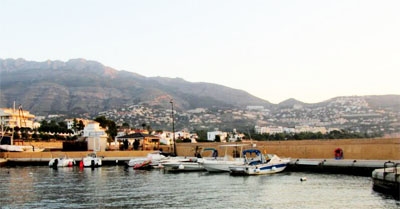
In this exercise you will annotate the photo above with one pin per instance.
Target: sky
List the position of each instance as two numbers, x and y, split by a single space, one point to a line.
275 50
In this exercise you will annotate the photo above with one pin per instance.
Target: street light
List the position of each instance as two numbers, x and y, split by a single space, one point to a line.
173 125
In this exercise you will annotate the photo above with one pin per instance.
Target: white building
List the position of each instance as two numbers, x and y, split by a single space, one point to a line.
312 129
96 137
269 129
11 117
211 136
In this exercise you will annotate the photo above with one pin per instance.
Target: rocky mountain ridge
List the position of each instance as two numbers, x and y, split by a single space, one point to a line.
80 86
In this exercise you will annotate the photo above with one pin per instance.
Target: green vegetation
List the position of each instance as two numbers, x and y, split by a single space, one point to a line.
109 125
342 134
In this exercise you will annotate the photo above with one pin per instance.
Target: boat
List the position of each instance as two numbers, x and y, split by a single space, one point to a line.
144 165
20 148
151 160
91 160
189 163
386 180
183 164
61 162
256 163
222 164
3 162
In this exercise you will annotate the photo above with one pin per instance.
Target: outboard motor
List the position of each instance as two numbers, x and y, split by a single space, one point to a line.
55 164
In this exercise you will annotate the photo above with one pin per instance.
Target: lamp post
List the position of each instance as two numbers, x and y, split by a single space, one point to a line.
173 125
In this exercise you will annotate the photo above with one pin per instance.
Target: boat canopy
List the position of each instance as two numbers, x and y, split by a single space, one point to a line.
214 151
234 145
251 151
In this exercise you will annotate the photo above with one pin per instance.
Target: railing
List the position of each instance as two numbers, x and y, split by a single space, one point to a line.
390 164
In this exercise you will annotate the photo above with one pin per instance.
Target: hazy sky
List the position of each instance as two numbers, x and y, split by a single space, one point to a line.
275 50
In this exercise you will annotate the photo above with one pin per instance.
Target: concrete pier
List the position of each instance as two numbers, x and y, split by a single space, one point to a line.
43 158
343 166
109 161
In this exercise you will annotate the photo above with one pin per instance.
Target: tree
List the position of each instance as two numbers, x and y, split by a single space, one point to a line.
102 120
125 125
80 125
202 134
111 131
109 125
75 125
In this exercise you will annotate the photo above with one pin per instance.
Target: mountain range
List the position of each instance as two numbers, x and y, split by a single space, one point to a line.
80 86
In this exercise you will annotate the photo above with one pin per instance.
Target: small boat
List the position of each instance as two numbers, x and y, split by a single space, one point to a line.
20 148
259 164
183 164
222 164
386 180
144 165
189 163
153 159
3 162
92 160
61 162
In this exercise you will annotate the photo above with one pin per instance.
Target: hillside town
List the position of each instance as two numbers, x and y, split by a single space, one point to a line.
350 113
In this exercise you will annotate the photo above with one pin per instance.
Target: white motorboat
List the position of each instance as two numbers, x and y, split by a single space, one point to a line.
152 159
91 160
188 163
260 164
223 164
61 162
183 164
20 148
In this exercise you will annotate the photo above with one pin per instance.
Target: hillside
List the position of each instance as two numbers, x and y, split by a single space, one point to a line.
80 86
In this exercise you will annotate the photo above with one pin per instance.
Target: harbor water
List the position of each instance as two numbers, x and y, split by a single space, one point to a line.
121 187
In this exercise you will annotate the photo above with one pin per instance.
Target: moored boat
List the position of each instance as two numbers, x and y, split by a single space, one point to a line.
259 164
3 162
189 163
183 164
223 164
20 148
91 160
153 159
61 162
387 179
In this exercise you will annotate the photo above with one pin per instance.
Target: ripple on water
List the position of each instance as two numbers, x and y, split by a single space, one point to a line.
118 187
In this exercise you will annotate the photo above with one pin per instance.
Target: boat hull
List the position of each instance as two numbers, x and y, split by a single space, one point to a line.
387 181
3 162
62 162
220 165
183 166
92 162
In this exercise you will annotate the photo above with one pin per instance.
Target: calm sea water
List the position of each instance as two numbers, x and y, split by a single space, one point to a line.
119 187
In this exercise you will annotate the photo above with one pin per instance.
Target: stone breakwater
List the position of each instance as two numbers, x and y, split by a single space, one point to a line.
365 149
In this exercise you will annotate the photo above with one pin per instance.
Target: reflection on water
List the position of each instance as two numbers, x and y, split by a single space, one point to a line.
119 187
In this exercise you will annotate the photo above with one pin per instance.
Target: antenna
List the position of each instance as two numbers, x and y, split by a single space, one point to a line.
251 140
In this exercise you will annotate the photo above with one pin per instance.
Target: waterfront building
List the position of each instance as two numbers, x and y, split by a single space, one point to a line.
12 117
96 136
